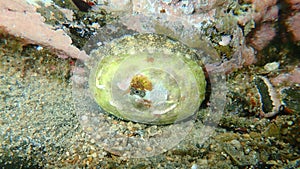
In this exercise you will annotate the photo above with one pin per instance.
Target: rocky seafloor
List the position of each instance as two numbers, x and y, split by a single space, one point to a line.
39 127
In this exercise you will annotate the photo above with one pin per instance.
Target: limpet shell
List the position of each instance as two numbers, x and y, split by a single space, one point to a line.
147 78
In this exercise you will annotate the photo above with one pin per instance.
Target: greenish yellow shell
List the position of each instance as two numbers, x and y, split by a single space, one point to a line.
147 78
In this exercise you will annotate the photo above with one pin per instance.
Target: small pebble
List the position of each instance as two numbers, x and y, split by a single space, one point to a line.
148 148
167 1
247 136
271 66
247 151
95 25
236 144
290 123
225 40
194 166
94 155
187 8
38 48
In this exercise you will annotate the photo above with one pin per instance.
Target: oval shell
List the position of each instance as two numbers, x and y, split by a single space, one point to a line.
147 78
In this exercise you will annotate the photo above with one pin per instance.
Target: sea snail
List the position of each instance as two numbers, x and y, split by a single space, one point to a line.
147 78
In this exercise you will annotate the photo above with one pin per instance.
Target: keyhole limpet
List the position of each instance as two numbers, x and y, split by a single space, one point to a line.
147 78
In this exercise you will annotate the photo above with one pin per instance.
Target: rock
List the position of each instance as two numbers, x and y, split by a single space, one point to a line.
271 66
116 5
272 130
290 78
294 4
293 25
264 10
262 36
21 20
236 144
